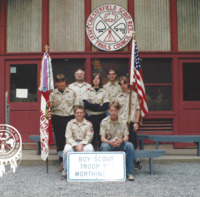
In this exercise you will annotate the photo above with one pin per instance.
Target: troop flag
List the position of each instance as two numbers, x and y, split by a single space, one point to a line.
46 85
136 78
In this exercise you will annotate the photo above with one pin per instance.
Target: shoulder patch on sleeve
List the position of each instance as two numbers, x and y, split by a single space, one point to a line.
91 127
89 122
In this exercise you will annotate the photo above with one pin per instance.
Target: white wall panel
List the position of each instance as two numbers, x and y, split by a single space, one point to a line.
188 12
152 25
24 25
67 25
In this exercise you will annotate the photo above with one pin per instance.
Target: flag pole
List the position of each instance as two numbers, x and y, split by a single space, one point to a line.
46 47
131 77
47 165
46 85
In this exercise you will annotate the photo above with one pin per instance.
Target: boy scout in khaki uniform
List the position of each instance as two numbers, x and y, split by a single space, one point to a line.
96 97
114 137
112 87
123 100
79 134
62 101
80 86
96 103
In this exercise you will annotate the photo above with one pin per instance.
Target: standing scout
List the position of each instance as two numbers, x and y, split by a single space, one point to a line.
112 87
134 118
96 103
114 137
79 134
80 86
62 101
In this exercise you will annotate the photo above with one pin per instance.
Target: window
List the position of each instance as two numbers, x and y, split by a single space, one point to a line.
158 83
103 65
23 83
191 81
159 98
67 67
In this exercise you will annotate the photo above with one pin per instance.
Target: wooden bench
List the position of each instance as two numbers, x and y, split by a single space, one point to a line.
149 154
141 138
176 138
36 138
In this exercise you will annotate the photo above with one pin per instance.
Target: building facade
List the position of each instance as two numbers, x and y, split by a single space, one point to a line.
168 39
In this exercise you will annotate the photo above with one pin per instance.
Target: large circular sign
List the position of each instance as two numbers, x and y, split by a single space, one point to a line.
10 148
109 27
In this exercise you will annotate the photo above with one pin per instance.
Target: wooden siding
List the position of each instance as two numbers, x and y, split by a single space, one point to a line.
67 25
188 12
24 25
152 25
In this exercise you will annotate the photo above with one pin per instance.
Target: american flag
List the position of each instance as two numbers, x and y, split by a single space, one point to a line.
136 79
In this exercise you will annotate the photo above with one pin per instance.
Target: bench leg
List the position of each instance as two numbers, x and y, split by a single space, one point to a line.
151 165
141 144
38 148
157 143
198 149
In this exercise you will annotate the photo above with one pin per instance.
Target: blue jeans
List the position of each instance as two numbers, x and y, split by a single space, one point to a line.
127 147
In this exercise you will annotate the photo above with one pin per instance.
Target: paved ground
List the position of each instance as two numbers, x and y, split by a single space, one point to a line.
170 179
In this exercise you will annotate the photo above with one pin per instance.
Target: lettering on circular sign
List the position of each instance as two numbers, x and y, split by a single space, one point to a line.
109 27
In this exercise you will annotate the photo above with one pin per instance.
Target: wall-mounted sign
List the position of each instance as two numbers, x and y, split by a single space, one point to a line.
10 149
109 27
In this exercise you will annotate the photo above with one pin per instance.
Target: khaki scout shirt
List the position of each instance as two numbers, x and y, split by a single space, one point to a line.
99 97
79 89
112 130
62 104
112 89
123 100
76 131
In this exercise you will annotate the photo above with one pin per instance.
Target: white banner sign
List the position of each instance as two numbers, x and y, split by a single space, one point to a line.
96 166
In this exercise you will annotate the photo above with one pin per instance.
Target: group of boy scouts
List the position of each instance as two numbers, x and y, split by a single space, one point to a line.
91 117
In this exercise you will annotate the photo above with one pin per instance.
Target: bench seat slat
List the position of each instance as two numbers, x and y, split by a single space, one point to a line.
149 153
175 138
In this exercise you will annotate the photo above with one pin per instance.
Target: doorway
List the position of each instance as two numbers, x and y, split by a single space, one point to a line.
189 97
23 96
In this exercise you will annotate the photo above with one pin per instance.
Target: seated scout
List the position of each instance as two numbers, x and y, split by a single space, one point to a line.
79 134
114 137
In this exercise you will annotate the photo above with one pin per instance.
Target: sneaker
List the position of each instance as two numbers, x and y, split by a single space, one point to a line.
130 177
60 169
63 176
138 165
